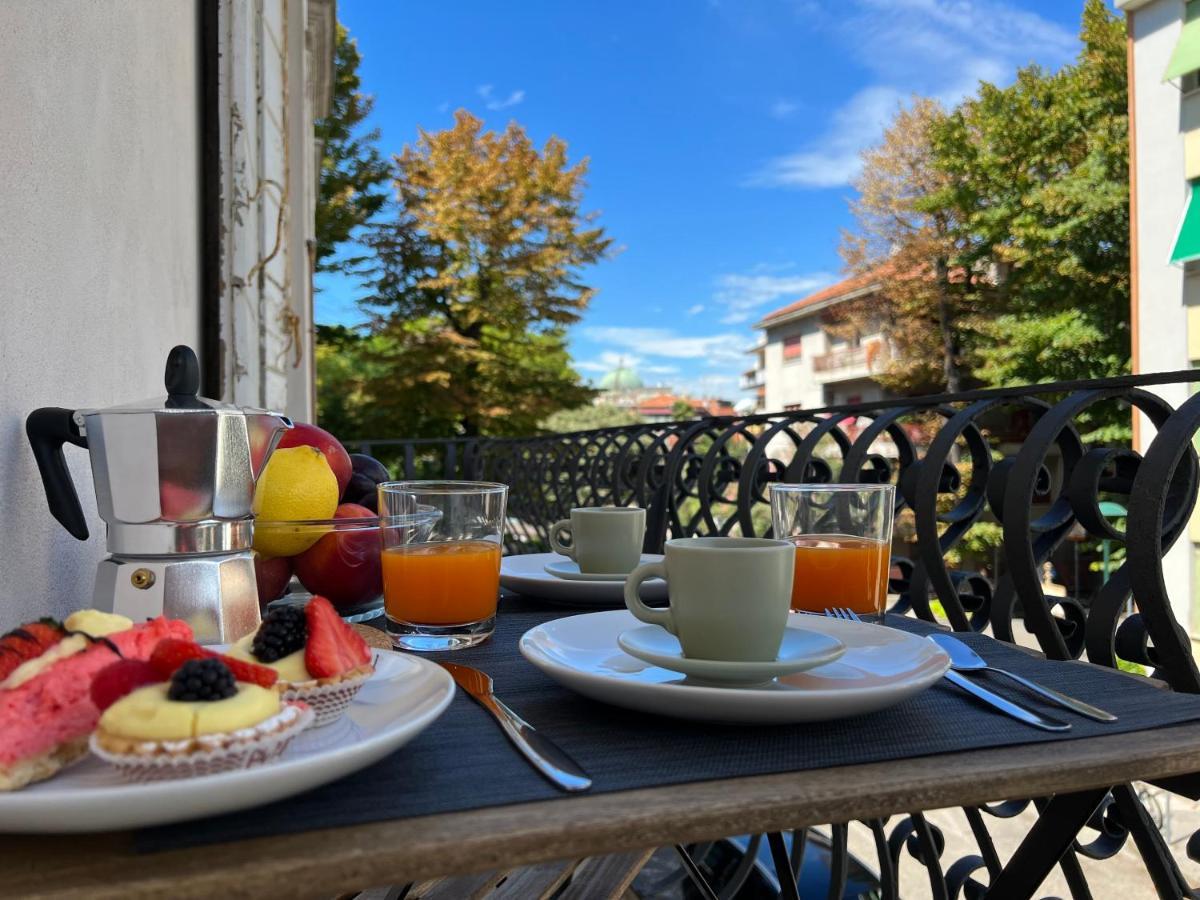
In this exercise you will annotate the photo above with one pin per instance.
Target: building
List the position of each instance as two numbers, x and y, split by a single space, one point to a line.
160 178
800 362
1164 157
624 389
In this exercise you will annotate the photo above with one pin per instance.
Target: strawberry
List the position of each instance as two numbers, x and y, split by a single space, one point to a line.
26 642
120 678
171 653
333 646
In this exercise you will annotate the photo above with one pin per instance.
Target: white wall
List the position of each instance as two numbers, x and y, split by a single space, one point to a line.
1163 292
790 382
98 248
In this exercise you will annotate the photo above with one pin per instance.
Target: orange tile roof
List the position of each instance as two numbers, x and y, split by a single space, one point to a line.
846 286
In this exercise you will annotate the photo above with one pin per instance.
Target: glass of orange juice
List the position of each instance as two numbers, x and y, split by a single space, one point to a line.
843 538
441 587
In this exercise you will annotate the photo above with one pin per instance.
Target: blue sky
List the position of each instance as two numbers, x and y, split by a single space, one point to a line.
722 134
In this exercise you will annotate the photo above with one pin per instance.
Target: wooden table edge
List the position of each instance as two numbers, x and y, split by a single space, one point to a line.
327 861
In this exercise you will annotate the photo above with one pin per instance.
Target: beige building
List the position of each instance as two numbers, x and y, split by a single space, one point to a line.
160 179
1164 114
801 363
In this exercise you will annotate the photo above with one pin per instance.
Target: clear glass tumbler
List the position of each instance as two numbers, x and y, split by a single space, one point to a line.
843 538
441 592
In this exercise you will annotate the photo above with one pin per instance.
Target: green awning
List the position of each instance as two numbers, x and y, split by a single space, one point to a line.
1187 241
1186 57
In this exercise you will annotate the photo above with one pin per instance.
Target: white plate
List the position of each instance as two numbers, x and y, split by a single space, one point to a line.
526 574
404 696
880 668
801 649
562 567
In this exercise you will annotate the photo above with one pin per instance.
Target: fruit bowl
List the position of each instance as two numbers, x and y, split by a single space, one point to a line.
339 559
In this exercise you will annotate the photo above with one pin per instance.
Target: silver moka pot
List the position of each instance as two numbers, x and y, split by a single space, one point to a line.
174 480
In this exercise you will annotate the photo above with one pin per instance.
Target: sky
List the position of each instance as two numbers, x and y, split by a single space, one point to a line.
723 137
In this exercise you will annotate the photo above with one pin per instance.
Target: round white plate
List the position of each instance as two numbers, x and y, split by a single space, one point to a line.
801 649
880 668
404 696
562 567
526 574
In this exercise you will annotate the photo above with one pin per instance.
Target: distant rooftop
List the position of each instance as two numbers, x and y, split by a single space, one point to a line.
853 286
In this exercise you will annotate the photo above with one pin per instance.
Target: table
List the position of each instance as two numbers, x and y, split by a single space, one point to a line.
325 862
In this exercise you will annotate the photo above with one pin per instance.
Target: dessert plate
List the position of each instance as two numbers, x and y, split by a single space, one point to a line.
526 574
569 569
404 696
880 668
801 649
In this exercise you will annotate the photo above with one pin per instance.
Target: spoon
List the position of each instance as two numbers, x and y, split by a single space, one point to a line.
964 659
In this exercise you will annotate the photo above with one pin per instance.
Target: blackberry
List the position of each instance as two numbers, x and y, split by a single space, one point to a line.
202 679
283 631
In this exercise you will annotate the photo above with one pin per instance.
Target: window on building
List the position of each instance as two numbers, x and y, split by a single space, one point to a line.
793 346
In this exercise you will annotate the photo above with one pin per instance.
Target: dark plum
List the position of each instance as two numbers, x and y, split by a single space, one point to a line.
360 486
369 466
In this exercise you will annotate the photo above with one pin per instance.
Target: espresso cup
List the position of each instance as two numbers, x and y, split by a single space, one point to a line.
604 540
728 596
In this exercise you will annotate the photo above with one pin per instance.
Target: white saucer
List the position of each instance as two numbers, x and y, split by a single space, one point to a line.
526 574
880 668
802 649
562 567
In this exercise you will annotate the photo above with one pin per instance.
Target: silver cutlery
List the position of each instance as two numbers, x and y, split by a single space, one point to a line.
964 659
545 755
1018 712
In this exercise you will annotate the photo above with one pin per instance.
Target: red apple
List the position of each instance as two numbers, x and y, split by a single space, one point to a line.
272 576
344 566
302 434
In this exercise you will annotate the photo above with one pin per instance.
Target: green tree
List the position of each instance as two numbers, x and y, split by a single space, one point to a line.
478 275
681 411
353 172
1038 176
585 418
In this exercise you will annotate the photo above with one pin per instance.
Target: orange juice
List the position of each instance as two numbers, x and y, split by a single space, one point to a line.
441 583
840 570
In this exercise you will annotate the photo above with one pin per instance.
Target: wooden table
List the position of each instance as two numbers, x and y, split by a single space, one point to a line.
326 863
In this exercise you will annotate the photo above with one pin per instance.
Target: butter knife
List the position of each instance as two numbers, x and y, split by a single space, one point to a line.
1028 716
545 755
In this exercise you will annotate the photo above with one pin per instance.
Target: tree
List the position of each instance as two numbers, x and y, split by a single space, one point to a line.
906 243
681 411
585 418
477 276
352 169
1038 176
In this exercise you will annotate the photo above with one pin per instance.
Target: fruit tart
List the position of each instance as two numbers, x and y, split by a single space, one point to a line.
319 658
46 673
200 721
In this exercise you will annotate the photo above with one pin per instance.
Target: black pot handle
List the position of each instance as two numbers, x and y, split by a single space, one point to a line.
48 429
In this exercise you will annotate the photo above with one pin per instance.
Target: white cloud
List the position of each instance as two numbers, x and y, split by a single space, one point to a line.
714 350
695 309
494 103
783 109
938 48
444 107
743 295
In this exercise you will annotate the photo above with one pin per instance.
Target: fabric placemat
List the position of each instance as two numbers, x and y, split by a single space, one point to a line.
463 761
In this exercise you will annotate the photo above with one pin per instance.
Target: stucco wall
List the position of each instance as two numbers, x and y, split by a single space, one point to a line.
98 248
1164 293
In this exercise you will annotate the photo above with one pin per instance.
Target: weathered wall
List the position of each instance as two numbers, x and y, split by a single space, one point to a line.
98 248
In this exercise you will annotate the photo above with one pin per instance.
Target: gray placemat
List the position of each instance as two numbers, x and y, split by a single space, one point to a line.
464 762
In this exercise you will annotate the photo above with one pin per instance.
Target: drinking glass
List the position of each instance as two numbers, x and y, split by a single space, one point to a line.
440 592
843 538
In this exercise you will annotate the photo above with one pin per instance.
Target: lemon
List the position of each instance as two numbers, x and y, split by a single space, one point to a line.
297 484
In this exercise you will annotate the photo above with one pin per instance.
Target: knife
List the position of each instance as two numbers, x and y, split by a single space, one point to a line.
545 755
1028 716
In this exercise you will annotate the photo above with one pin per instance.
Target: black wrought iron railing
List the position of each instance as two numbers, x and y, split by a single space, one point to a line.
991 486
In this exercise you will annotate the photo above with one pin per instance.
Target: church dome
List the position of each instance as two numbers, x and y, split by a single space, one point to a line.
621 379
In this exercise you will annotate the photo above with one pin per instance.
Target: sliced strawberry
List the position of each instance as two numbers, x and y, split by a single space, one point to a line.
333 646
172 653
120 678
47 632
9 660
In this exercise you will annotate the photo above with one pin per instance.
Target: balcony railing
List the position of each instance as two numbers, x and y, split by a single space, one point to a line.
869 357
752 380
956 480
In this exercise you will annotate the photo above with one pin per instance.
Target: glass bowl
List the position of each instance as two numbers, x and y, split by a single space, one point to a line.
335 558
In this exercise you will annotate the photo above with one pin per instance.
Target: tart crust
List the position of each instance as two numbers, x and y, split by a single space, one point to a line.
204 743
39 768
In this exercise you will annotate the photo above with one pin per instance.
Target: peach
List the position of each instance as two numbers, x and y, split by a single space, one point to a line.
344 566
